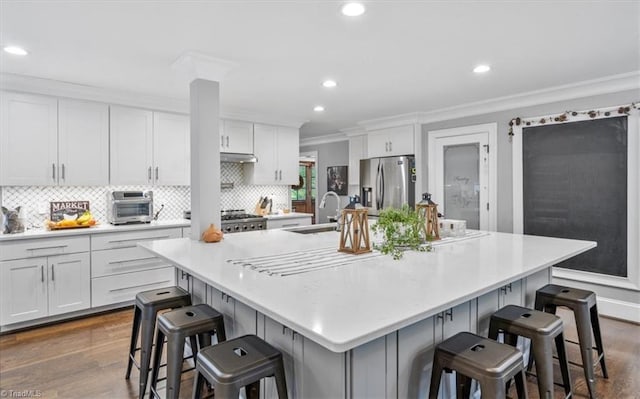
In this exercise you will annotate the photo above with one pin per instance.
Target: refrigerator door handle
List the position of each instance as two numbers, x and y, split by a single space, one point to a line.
378 204
381 185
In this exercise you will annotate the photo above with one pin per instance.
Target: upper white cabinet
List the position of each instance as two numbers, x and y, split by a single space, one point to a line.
236 137
390 142
45 141
278 153
148 147
171 152
83 143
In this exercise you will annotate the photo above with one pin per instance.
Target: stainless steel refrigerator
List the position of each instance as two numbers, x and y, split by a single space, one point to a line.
387 182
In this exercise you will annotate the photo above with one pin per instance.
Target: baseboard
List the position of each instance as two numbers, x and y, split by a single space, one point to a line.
627 311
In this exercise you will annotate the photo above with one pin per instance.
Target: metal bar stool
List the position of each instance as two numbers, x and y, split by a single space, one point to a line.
201 321
237 363
148 304
585 310
542 329
471 356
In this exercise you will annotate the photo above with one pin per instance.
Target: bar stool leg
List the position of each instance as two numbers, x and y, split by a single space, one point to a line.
198 383
175 353
253 390
148 326
463 386
595 324
226 391
157 358
194 348
281 381
520 388
583 325
564 364
493 389
436 376
543 355
134 339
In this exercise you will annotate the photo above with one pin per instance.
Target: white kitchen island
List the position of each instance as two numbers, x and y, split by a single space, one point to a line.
367 328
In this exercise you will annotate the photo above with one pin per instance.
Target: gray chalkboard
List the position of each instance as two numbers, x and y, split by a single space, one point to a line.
575 186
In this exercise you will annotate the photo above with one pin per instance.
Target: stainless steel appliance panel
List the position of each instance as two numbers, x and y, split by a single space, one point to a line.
387 182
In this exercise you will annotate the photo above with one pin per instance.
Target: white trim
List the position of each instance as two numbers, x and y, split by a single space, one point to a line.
619 309
632 281
391 121
56 88
330 138
492 130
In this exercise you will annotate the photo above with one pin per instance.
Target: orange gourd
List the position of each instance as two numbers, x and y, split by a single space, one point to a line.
212 234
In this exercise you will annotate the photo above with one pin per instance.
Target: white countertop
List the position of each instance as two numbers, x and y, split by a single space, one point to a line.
345 306
101 228
290 215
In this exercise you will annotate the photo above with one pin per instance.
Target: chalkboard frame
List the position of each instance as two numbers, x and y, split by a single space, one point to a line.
632 281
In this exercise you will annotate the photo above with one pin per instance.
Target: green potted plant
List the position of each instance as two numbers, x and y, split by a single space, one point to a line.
401 229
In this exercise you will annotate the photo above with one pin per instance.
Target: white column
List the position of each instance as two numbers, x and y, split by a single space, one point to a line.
205 155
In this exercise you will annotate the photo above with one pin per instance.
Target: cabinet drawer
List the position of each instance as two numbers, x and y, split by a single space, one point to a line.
43 247
123 260
290 222
130 239
124 287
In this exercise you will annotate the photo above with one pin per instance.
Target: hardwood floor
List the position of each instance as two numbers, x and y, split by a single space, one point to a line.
87 359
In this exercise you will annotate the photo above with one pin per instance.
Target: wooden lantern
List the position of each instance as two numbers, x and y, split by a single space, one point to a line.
429 211
354 232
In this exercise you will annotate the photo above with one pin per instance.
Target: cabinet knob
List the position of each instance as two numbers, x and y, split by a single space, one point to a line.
227 141
149 173
157 174
42 273
53 171
53 275
63 173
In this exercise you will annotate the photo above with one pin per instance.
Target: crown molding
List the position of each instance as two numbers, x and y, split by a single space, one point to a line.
391 121
194 65
327 138
587 88
353 131
57 88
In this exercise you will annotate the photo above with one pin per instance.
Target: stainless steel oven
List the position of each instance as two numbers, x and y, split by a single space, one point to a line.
129 207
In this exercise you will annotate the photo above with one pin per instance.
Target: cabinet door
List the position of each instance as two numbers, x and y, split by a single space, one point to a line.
453 321
416 344
401 140
314 366
282 339
237 137
288 155
264 171
171 151
28 140
377 144
488 304
511 294
69 283
244 320
83 143
130 146
24 290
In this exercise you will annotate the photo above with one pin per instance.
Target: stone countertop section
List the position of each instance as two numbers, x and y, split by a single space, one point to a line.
100 228
345 306
290 215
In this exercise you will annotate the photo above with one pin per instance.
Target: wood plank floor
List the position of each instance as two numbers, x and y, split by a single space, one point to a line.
86 358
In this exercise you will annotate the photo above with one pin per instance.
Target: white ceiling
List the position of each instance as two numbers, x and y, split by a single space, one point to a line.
399 57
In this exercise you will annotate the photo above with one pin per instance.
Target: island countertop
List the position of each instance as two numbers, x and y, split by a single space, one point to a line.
344 306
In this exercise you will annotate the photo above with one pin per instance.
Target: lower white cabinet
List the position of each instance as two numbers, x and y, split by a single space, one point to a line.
44 286
120 288
288 222
239 319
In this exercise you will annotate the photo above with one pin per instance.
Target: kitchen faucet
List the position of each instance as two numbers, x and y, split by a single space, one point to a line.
323 203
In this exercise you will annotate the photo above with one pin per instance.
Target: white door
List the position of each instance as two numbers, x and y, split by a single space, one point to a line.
28 140
69 283
24 290
462 175
171 149
237 137
130 146
83 143
288 150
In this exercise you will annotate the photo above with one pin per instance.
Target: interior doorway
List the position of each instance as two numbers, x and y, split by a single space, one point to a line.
303 195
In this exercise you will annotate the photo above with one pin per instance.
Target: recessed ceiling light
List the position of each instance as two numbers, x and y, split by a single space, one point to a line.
353 9
15 50
318 108
329 83
482 69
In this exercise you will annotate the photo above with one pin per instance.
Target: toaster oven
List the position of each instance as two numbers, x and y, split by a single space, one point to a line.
129 207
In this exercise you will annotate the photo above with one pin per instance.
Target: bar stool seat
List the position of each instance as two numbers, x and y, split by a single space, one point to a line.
199 321
585 310
490 363
237 363
542 329
145 311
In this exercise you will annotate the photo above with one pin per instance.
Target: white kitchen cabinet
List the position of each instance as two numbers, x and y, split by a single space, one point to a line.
131 140
44 286
391 142
236 137
171 151
357 152
83 143
239 319
416 346
28 140
277 151
277 223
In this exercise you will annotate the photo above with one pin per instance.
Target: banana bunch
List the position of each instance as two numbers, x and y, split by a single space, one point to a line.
85 218
69 221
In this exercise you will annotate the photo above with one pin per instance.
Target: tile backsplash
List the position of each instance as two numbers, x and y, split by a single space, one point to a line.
176 199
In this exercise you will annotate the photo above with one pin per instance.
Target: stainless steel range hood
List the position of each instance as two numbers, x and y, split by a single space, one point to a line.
237 158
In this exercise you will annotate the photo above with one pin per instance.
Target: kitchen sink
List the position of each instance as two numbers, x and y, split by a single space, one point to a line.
317 228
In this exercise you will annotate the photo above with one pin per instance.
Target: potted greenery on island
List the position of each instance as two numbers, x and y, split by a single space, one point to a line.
401 229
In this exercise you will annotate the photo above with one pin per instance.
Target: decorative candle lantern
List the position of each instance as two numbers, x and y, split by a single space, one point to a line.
429 211
354 232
